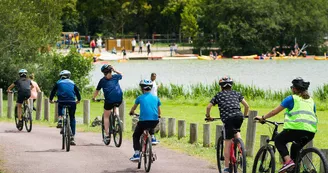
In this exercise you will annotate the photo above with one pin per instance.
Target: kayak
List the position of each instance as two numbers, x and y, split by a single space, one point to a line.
122 60
245 57
320 58
207 58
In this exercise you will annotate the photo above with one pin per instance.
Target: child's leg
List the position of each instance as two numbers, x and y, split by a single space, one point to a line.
136 136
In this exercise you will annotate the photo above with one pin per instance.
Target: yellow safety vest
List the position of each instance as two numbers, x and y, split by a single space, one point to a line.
302 116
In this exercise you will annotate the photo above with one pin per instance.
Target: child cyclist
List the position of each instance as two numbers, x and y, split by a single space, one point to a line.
228 102
24 86
112 92
300 122
66 92
149 113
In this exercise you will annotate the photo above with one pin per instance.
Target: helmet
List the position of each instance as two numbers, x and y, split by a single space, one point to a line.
22 72
65 74
146 84
300 84
225 81
106 68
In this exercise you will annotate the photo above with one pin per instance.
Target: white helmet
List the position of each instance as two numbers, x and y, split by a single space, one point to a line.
22 72
146 84
65 74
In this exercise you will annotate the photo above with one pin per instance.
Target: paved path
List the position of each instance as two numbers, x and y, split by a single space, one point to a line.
40 151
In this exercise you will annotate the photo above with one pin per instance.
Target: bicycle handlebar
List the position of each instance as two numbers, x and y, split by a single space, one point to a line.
98 100
137 115
271 122
215 119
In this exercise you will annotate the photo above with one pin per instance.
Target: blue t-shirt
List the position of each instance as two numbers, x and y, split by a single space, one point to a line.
111 88
288 103
148 107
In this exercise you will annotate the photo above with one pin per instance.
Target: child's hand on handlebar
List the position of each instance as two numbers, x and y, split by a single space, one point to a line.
260 119
131 113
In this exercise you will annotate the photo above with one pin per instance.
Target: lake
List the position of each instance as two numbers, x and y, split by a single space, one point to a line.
265 74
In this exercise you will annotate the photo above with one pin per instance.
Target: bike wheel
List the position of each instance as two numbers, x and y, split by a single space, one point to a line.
117 131
240 155
68 135
28 119
103 131
312 160
219 154
264 161
63 136
148 154
141 152
20 128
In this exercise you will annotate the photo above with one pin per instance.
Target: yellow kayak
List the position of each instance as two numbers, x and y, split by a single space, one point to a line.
248 57
320 58
122 60
207 58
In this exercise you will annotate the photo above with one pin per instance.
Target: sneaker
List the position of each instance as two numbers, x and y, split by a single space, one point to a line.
61 131
287 166
226 170
106 139
20 123
135 157
154 141
59 124
72 141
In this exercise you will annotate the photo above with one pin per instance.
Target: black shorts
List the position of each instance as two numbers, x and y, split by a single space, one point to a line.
110 106
21 96
232 126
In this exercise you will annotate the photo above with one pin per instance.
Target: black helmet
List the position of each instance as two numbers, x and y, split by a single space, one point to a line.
300 84
226 81
106 68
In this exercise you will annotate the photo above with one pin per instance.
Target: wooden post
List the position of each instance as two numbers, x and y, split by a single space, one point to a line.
171 127
10 105
218 133
181 129
206 135
250 135
325 153
122 114
39 106
163 127
46 109
56 113
86 112
263 140
1 103
193 132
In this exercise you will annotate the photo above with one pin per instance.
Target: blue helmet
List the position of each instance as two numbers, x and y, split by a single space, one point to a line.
106 68
146 84
65 74
22 72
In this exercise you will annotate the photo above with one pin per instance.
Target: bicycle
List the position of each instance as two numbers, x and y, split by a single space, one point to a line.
66 130
115 128
146 149
304 159
237 163
26 117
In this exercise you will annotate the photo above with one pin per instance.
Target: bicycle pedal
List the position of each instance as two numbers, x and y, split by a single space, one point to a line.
154 157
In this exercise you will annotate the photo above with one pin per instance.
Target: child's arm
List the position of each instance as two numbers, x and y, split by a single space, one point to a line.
10 87
159 112
117 72
208 110
53 92
246 107
134 107
95 94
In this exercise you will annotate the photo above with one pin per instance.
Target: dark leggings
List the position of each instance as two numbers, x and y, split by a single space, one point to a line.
141 126
301 137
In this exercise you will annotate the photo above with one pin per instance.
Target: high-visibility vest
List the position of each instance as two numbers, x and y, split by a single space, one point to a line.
302 116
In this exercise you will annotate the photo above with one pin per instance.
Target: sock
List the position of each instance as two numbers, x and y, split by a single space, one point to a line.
137 152
152 136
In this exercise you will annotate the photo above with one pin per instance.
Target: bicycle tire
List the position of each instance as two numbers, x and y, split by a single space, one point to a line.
63 129
141 151
16 120
68 135
240 155
323 164
28 118
219 154
117 131
261 156
103 131
148 154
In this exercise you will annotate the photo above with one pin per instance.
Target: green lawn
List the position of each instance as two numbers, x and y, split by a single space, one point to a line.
192 113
